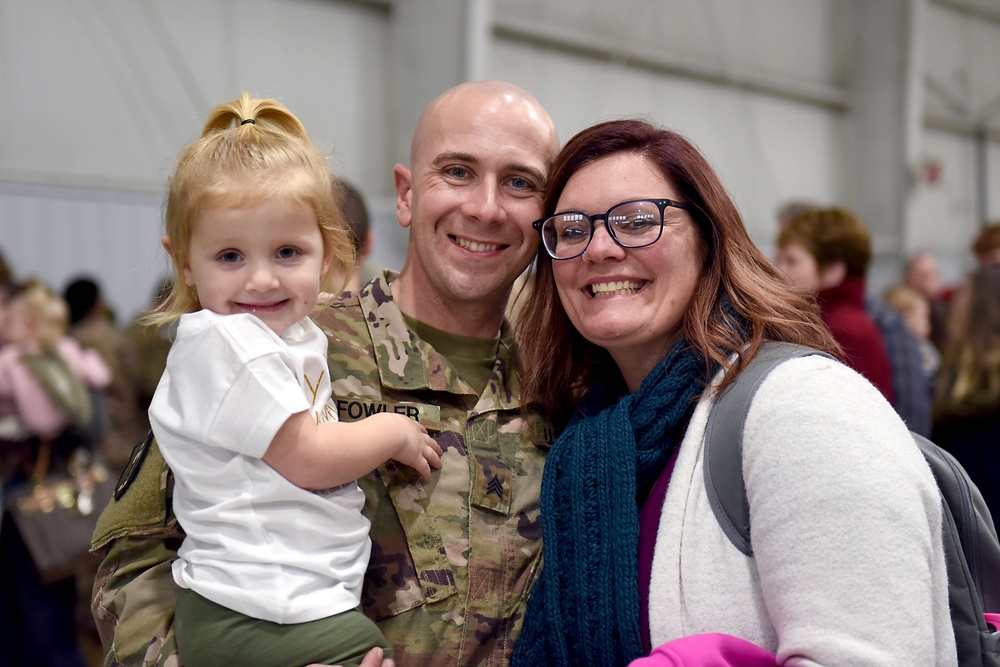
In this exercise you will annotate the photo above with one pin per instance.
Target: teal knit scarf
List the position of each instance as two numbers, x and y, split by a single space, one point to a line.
584 607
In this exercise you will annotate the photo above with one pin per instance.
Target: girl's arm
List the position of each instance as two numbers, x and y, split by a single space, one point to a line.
321 456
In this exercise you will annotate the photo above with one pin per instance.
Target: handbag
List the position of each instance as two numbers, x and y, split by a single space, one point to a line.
56 512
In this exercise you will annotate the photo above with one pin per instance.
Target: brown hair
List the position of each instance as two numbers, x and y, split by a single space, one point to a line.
46 311
987 240
831 235
559 365
352 205
969 376
904 298
249 150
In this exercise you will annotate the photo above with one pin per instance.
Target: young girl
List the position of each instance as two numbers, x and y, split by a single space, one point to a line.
916 311
271 569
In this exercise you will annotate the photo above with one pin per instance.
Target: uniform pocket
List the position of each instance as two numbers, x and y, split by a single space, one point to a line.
408 565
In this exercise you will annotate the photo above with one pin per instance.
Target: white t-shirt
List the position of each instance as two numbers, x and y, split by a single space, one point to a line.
256 543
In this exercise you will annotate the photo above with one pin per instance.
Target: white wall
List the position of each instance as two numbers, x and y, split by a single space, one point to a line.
698 68
100 95
58 234
962 90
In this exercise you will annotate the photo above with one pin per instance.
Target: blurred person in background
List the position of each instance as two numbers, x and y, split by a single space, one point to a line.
826 252
37 620
915 309
36 324
151 345
849 245
987 246
93 326
352 205
6 289
967 399
922 275
12 430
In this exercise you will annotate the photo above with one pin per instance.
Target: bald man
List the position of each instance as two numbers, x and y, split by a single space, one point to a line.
452 559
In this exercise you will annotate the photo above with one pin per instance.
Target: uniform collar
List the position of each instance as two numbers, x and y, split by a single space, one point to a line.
408 363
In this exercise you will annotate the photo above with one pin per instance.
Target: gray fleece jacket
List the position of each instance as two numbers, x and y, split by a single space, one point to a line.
848 565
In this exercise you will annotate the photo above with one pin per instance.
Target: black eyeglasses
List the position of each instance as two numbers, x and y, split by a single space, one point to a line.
631 224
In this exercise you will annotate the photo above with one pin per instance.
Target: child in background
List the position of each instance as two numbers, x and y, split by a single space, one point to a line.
826 252
916 311
276 549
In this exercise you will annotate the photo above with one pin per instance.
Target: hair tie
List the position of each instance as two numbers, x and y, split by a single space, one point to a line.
249 120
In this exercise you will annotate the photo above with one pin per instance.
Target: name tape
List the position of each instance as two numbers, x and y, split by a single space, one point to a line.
353 409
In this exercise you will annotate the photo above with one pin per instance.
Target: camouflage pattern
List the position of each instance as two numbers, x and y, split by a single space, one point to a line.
453 560
134 591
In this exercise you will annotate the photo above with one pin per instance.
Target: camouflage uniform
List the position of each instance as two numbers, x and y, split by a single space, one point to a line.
452 560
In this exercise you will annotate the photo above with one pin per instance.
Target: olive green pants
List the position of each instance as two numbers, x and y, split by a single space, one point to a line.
210 635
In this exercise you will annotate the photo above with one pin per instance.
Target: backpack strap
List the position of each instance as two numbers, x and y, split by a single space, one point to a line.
972 550
723 453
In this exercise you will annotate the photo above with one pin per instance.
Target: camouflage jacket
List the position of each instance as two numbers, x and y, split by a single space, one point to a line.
452 560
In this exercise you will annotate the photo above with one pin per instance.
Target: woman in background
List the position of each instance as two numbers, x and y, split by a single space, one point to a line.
43 380
967 401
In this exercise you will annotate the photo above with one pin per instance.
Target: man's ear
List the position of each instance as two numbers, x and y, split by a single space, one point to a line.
402 178
832 275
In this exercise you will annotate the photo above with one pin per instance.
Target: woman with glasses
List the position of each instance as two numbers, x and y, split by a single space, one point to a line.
649 299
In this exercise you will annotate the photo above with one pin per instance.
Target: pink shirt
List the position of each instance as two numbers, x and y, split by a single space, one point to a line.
708 650
25 395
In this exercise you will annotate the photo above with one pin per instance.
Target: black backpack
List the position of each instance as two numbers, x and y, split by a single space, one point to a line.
972 550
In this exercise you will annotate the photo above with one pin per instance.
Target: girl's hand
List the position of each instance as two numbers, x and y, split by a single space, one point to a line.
417 449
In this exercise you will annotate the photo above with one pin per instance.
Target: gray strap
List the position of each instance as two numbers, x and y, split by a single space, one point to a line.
724 441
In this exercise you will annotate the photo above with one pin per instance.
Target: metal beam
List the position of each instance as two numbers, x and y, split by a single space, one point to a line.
988 10
659 61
